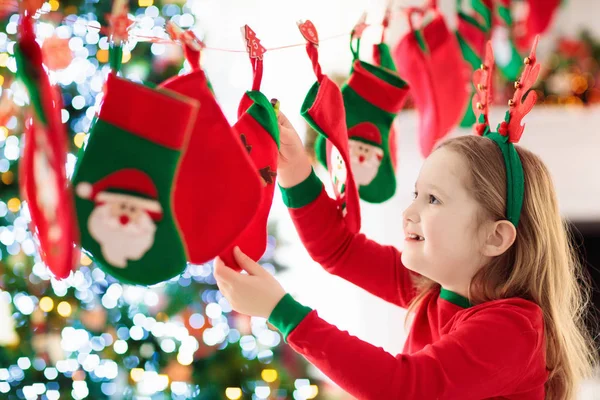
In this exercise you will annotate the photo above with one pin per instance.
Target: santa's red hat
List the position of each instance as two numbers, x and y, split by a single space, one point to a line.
130 185
366 132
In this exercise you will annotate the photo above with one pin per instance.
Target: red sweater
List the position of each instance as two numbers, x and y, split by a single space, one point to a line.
495 350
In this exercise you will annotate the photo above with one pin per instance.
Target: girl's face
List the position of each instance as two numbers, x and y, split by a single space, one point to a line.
442 239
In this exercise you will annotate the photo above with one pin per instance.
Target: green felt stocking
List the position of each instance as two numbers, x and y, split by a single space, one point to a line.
124 178
373 95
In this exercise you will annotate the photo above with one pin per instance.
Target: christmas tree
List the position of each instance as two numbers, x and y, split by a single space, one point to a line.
91 336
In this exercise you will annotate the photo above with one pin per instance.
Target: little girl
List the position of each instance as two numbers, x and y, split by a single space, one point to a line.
498 310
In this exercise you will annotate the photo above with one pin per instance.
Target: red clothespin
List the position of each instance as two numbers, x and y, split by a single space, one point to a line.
192 46
360 26
256 52
254 47
30 7
119 22
308 30
187 38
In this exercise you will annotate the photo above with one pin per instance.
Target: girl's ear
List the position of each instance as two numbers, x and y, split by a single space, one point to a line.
499 238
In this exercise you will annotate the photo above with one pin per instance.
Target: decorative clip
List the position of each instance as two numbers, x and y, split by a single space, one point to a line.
482 79
360 26
519 107
119 22
186 38
310 34
254 47
308 30
26 7
256 52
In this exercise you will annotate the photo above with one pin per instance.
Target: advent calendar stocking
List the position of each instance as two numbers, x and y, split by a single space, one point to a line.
215 158
258 131
508 59
472 33
429 59
539 16
124 181
43 181
323 109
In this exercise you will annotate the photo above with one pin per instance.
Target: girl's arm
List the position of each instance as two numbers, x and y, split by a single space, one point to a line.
487 356
367 264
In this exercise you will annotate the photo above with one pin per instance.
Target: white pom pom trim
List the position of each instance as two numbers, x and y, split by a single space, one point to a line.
84 190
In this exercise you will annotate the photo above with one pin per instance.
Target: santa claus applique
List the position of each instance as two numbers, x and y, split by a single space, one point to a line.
124 218
365 152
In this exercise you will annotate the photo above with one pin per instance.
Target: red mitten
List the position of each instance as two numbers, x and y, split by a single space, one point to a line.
323 109
258 131
44 182
216 159
430 60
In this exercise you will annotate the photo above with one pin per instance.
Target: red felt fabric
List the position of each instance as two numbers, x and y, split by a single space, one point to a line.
375 90
495 350
44 182
329 114
539 17
439 80
216 190
264 154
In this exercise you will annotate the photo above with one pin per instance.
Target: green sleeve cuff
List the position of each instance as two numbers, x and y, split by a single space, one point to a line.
303 193
287 315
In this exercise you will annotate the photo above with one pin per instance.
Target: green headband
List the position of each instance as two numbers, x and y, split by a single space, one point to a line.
510 130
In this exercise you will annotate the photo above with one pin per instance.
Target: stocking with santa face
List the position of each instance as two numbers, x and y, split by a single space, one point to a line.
124 178
372 96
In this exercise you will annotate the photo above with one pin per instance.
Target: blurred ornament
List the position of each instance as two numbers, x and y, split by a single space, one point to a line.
94 319
56 53
178 372
8 108
48 346
8 335
242 323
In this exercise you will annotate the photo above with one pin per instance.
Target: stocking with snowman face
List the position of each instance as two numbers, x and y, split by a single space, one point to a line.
373 95
123 182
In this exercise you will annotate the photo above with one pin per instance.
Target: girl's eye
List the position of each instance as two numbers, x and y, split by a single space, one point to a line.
433 199
415 195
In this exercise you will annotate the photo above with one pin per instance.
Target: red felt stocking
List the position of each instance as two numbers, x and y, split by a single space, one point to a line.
258 131
216 160
539 17
430 60
43 176
323 109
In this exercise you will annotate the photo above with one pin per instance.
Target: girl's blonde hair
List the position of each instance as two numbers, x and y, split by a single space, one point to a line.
541 266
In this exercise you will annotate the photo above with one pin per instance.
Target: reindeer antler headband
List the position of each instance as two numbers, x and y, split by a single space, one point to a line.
510 130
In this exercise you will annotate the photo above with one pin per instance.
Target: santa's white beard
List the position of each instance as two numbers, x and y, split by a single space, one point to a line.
119 242
364 172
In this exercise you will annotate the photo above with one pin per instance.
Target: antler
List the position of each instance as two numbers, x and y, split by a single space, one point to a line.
519 107
482 79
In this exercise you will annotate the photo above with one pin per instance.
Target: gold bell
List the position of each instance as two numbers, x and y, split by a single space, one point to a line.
511 103
480 86
479 106
518 85
483 67
527 60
